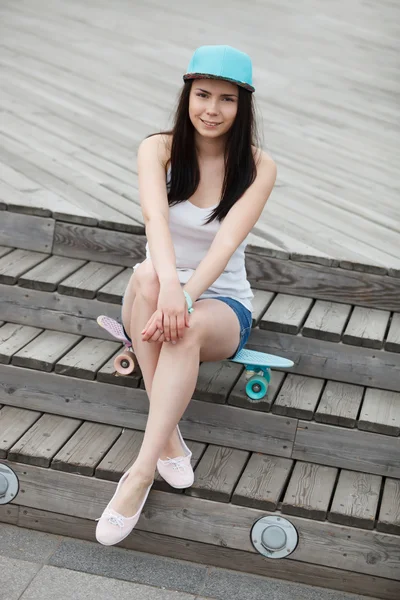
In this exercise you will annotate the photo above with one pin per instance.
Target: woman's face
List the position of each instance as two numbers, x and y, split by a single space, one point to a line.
213 105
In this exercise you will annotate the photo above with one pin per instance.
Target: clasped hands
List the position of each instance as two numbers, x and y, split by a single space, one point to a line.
168 322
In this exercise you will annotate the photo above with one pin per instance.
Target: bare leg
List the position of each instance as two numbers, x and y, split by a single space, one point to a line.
213 335
136 311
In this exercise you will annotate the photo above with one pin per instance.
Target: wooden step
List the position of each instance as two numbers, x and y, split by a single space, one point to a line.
68 467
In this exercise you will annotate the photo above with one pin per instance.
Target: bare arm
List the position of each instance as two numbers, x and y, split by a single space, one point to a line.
234 229
152 157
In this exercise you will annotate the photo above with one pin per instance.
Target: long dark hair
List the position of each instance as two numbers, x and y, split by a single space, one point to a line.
240 166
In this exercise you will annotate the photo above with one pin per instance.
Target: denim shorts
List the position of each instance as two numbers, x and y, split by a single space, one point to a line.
243 314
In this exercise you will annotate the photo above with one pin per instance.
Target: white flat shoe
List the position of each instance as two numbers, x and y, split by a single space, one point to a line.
178 472
113 527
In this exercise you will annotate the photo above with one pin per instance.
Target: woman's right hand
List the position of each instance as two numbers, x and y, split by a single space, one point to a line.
172 304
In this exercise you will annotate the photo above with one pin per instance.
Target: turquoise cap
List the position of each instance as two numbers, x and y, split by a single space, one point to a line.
221 62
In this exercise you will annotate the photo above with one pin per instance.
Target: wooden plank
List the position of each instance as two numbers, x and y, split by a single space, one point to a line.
4 250
323 283
238 396
43 440
26 232
197 449
14 422
127 407
51 310
347 449
45 350
340 404
85 282
115 289
13 265
380 412
392 343
263 481
217 473
179 515
286 313
309 491
85 358
298 396
326 321
120 456
216 380
108 374
14 337
101 245
208 554
9 513
367 327
356 498
261 302
86 448
316 358
389 514
47 275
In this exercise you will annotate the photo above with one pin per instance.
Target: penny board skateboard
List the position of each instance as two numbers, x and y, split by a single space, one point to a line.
257 364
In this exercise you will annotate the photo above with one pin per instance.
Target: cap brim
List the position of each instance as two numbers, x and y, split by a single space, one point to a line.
246 86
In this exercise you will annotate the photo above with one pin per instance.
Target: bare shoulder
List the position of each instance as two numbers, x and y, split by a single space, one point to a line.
157 146
264 162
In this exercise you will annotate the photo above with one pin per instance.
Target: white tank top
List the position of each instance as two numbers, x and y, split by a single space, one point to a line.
192 240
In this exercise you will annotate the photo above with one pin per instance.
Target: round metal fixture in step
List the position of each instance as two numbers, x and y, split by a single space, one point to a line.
9 484
274 537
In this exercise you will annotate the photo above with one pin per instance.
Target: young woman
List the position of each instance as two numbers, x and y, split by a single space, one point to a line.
203 187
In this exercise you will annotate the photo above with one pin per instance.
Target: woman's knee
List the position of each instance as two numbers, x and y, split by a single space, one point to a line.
147 282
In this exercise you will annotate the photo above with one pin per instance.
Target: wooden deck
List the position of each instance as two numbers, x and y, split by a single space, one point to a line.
83 82
321 449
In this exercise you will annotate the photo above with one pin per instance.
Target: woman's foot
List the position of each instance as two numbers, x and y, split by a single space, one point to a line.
175 466
131 494
124 509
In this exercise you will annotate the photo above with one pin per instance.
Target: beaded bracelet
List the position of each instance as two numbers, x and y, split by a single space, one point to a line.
188 302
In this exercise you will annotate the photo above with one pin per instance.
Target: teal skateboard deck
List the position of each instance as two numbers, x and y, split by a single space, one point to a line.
257 364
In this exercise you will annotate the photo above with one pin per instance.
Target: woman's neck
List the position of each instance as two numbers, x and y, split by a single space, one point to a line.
208 148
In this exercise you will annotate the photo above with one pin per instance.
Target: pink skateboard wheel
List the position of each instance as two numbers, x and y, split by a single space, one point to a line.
124 364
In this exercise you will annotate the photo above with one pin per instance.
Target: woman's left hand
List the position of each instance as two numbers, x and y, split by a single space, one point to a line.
153 331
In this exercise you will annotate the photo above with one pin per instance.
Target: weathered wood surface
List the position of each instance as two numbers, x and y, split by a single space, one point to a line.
348 449
356 499
217 473
85 448
389 516
14 422
360 366
86 358
48 274
43 440
26 232
238 396
393 338
93 243
340 403
367 327
179 515
323 283
51 310
380 412
286 313
326 321
83 109
309 491
127 407
85 282
298 396
15 337
17 262
262 482
45 350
